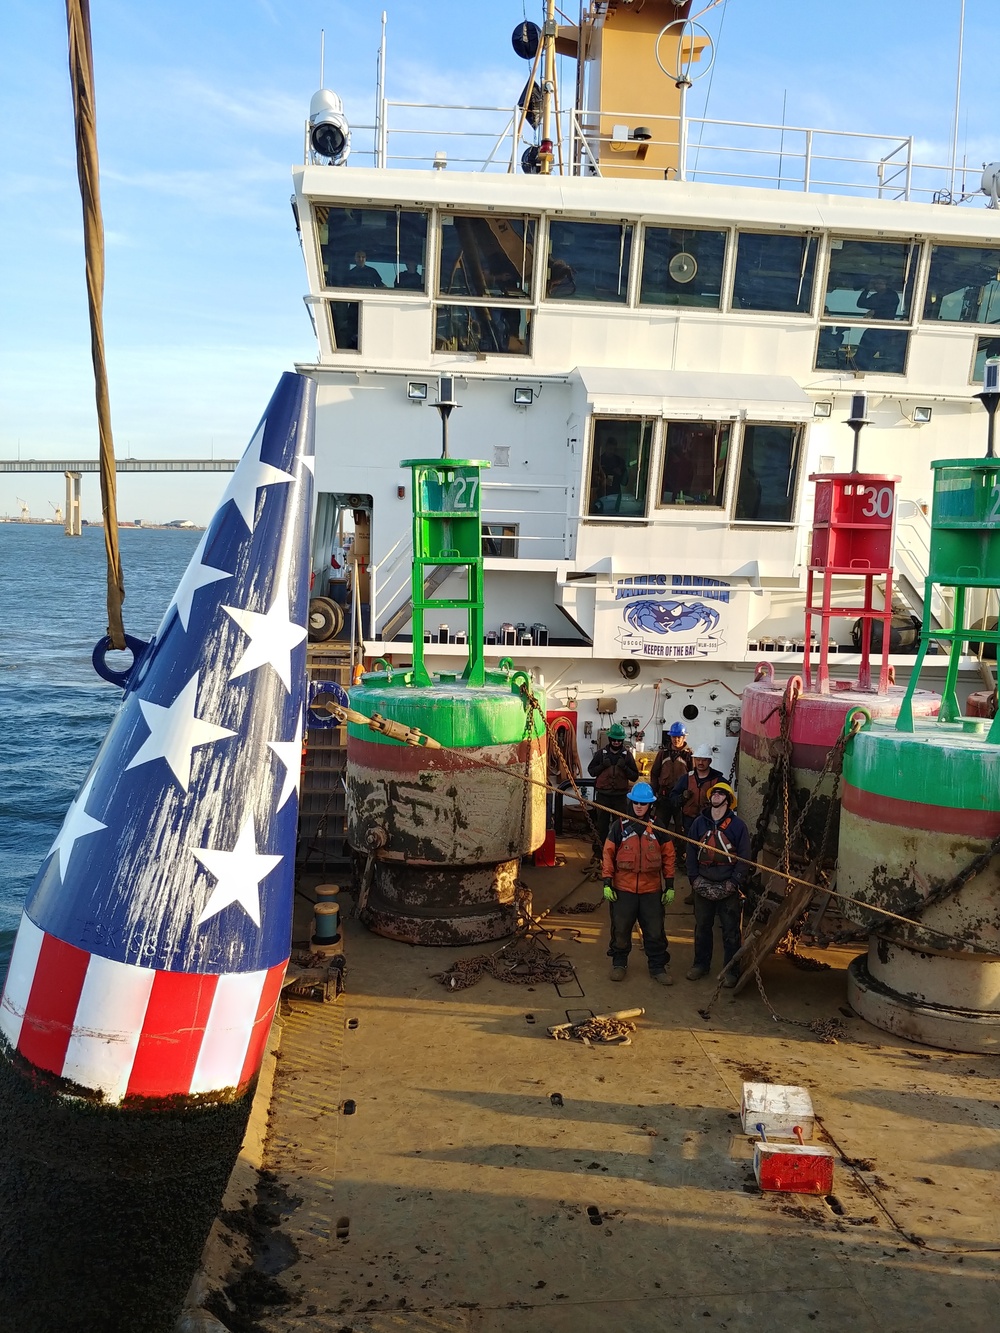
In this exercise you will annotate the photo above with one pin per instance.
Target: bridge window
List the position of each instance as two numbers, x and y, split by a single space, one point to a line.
769 467
619 467
963 285
486 256
774 271
588 261
871 279
345 322
841 347
682 267
372 248
480 328
985 348
695 456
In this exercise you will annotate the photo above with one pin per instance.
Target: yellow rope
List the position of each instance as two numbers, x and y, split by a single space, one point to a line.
81 69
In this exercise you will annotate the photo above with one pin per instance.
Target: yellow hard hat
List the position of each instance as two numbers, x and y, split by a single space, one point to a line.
724 786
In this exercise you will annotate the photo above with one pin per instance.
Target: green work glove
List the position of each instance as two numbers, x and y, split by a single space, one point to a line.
667 896
609 892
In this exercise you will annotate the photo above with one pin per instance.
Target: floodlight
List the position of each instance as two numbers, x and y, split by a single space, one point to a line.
329 131
523 397
416 391
822 409
921 415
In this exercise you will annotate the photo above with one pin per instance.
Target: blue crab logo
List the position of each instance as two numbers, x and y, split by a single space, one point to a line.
671 617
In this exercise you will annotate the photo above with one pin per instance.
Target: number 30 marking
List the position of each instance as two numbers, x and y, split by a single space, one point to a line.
880 502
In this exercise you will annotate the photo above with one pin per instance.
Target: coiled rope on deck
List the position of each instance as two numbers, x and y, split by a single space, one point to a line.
81 69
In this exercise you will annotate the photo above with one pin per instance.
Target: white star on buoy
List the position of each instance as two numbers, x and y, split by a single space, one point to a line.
272 636
77 824
248 478
290 754
175 731
238 874
197 575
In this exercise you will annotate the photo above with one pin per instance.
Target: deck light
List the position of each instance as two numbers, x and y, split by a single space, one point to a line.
523 397
921 415
329 131
822 409
416 391
440 160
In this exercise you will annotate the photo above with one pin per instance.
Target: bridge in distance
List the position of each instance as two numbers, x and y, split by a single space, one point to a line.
73 470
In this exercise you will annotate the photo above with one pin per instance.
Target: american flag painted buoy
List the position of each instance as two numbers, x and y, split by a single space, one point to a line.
152 946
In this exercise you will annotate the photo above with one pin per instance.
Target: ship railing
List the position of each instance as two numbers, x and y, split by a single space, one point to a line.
791 157
912 560
389 578
478 137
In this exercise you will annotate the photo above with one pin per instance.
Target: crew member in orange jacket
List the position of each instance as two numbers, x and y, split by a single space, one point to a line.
636 858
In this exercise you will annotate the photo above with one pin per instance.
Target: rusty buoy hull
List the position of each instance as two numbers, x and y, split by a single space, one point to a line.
447 905
817 722
442 831
917 809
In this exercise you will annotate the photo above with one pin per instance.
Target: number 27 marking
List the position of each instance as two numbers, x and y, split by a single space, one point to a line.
460 502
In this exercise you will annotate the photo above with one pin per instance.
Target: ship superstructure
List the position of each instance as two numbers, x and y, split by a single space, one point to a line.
652 364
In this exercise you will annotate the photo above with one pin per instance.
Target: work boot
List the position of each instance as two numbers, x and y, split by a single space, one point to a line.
617 974
664 978
689 900
730 979
696 973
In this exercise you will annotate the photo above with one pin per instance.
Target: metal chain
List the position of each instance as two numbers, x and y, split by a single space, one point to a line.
783 748
959 881
835 757
828 1030
522 894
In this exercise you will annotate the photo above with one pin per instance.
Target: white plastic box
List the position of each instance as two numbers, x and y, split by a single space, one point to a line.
780 1107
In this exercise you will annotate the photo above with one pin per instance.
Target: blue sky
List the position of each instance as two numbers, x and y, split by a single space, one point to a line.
200 112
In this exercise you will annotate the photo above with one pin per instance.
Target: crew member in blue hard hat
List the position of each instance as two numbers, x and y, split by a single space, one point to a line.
638 866
717 867
671 765
614 770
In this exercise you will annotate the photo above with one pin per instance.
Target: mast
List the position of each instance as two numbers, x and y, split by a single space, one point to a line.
545 155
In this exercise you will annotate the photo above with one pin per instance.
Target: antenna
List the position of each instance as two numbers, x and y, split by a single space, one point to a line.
687 33
381 127
322 56
958 100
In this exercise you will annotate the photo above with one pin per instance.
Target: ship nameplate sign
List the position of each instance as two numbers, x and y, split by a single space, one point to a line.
666 616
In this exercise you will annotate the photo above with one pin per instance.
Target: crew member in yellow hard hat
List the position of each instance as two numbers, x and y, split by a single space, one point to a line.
717 865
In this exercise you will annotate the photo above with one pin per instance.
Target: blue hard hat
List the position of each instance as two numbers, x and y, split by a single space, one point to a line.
678 729
642 794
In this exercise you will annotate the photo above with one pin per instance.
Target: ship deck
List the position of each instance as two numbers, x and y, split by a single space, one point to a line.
458 1197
